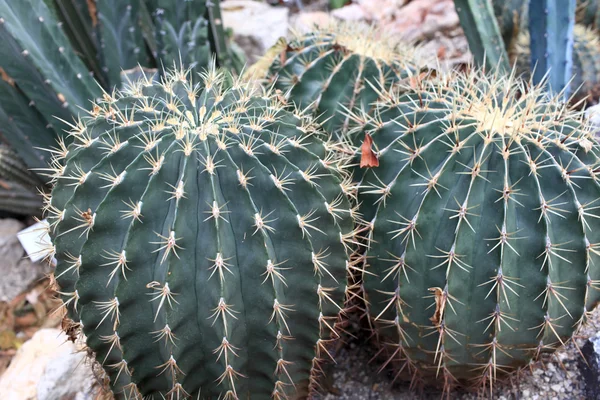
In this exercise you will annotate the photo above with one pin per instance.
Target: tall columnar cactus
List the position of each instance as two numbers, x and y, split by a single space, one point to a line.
586 60
483 227
338 70
483 33
551 24
201 236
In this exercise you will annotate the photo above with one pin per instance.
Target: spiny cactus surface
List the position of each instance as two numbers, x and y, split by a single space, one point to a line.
338 70
483 227
201 238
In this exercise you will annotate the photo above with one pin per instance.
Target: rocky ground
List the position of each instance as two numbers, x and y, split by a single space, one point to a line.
433 24
38 362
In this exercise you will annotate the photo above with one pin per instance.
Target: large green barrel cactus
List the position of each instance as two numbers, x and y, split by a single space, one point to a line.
338 70
201 238
483 227
585 79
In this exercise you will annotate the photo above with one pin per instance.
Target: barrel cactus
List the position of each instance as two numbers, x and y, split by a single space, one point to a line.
483 226
201 237
338 70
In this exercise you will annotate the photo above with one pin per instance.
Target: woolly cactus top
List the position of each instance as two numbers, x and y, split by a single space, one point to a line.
483 225
201 235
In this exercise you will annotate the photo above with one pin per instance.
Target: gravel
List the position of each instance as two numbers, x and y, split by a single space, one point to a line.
561 376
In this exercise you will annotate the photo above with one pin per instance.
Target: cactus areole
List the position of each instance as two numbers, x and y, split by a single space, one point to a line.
201 238
484 229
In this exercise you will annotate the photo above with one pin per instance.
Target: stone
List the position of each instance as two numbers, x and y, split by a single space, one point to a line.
593 114
304 22
590 367
49 367
17 271
422 19
381 10
256 26
351 12
556 387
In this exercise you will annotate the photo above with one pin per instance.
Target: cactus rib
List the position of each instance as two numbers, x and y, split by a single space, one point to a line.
197 231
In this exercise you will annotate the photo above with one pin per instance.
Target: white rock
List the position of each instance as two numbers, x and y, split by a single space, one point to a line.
352 12
256 25
48 367
304 22
16 270
556 387
593 113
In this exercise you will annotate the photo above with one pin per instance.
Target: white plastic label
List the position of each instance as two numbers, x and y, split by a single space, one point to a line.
36 241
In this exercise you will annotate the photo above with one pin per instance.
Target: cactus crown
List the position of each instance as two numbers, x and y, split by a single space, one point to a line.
483 226
364 40
197 230
338 70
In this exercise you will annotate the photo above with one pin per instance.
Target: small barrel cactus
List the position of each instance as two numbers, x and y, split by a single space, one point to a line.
201 236
338 70
586 60
483 226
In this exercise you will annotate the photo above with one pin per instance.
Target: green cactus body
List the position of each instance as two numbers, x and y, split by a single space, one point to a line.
201 238
586 60
181 33
483 33
511 16
121 38
18 186
338 71
483 226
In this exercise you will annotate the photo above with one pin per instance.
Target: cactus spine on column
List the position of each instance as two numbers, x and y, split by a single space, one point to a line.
201 236
338 70
484 230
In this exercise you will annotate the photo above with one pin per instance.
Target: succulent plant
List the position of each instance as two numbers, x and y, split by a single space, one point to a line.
586 60
551 24
201 238
57 55
337 70
18 186
483 226
483 33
